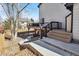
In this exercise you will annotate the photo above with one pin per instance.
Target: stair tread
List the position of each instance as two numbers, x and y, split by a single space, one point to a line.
60 32
60 35
50 47
57 37
71 47
42 50
56 46
41 47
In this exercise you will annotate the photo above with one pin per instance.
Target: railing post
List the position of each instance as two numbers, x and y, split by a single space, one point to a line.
50 25
46 31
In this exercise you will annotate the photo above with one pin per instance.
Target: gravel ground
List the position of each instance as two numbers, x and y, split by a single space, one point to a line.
12 49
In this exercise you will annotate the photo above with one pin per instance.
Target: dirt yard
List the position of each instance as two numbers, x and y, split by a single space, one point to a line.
11 48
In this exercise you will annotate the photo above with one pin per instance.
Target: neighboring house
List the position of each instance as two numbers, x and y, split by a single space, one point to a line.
22 23
67 14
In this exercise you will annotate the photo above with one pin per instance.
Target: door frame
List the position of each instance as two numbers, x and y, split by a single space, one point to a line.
71 22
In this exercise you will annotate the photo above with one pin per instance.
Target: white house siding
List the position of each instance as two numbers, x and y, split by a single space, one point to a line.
76 21
54 12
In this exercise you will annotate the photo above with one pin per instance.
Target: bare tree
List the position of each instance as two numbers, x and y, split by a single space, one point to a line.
17 17
10 9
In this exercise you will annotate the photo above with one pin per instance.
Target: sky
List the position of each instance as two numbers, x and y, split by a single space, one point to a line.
31 11
2 14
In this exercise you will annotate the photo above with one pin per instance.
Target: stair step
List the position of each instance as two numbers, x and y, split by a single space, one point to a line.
48 46
72 48
42 50
61 32
61 39
60 35
37 48
51 48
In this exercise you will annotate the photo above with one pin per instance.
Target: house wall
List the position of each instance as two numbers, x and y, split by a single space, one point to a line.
53 12
76 22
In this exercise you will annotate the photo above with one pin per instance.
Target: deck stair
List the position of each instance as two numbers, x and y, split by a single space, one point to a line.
52 47
60 35
38 48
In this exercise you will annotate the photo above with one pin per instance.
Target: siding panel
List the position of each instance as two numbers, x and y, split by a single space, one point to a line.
76 22
54 12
